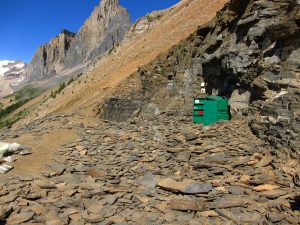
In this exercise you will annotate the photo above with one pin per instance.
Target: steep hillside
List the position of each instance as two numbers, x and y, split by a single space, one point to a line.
103 30
176 25
248 53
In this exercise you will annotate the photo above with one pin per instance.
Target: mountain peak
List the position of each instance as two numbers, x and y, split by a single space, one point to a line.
105 28
108 8
67 32
110 2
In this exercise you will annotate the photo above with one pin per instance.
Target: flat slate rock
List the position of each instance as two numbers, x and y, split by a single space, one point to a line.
8 198
186 186
20 218
266 187
93 218
227 202
276 217
264 161
45 184
190 136
149 181
236 190
185 205
273 193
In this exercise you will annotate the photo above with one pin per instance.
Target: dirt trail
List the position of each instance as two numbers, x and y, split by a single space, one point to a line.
44 146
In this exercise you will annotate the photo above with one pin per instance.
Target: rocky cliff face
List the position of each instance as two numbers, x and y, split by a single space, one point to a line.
105 29
249 53
49 59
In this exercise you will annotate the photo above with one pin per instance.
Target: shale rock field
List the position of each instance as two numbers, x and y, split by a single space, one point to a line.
160 171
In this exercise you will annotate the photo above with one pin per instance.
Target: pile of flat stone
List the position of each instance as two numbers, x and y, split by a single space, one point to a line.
161 171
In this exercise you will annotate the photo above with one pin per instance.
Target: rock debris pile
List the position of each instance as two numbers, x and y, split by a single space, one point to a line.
160 171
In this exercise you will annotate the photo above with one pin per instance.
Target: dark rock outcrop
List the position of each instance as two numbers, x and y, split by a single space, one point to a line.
249 53
102 31
121 109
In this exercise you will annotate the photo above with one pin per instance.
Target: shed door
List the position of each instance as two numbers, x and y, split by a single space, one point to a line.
210 112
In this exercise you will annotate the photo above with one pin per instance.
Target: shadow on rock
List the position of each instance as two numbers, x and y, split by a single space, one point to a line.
295 204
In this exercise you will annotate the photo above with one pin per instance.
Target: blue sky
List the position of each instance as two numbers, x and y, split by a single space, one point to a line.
26 24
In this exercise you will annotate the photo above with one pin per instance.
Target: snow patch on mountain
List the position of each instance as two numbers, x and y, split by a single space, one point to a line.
8 68
4 66
11 75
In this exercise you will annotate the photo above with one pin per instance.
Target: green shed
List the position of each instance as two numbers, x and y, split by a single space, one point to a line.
211 109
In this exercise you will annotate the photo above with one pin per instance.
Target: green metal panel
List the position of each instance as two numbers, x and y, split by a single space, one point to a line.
198 119
222 116
210 112
223 105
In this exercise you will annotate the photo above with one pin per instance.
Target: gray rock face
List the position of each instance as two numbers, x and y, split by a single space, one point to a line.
105 29
49 59
102 31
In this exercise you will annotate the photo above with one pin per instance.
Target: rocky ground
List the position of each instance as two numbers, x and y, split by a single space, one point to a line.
157 171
